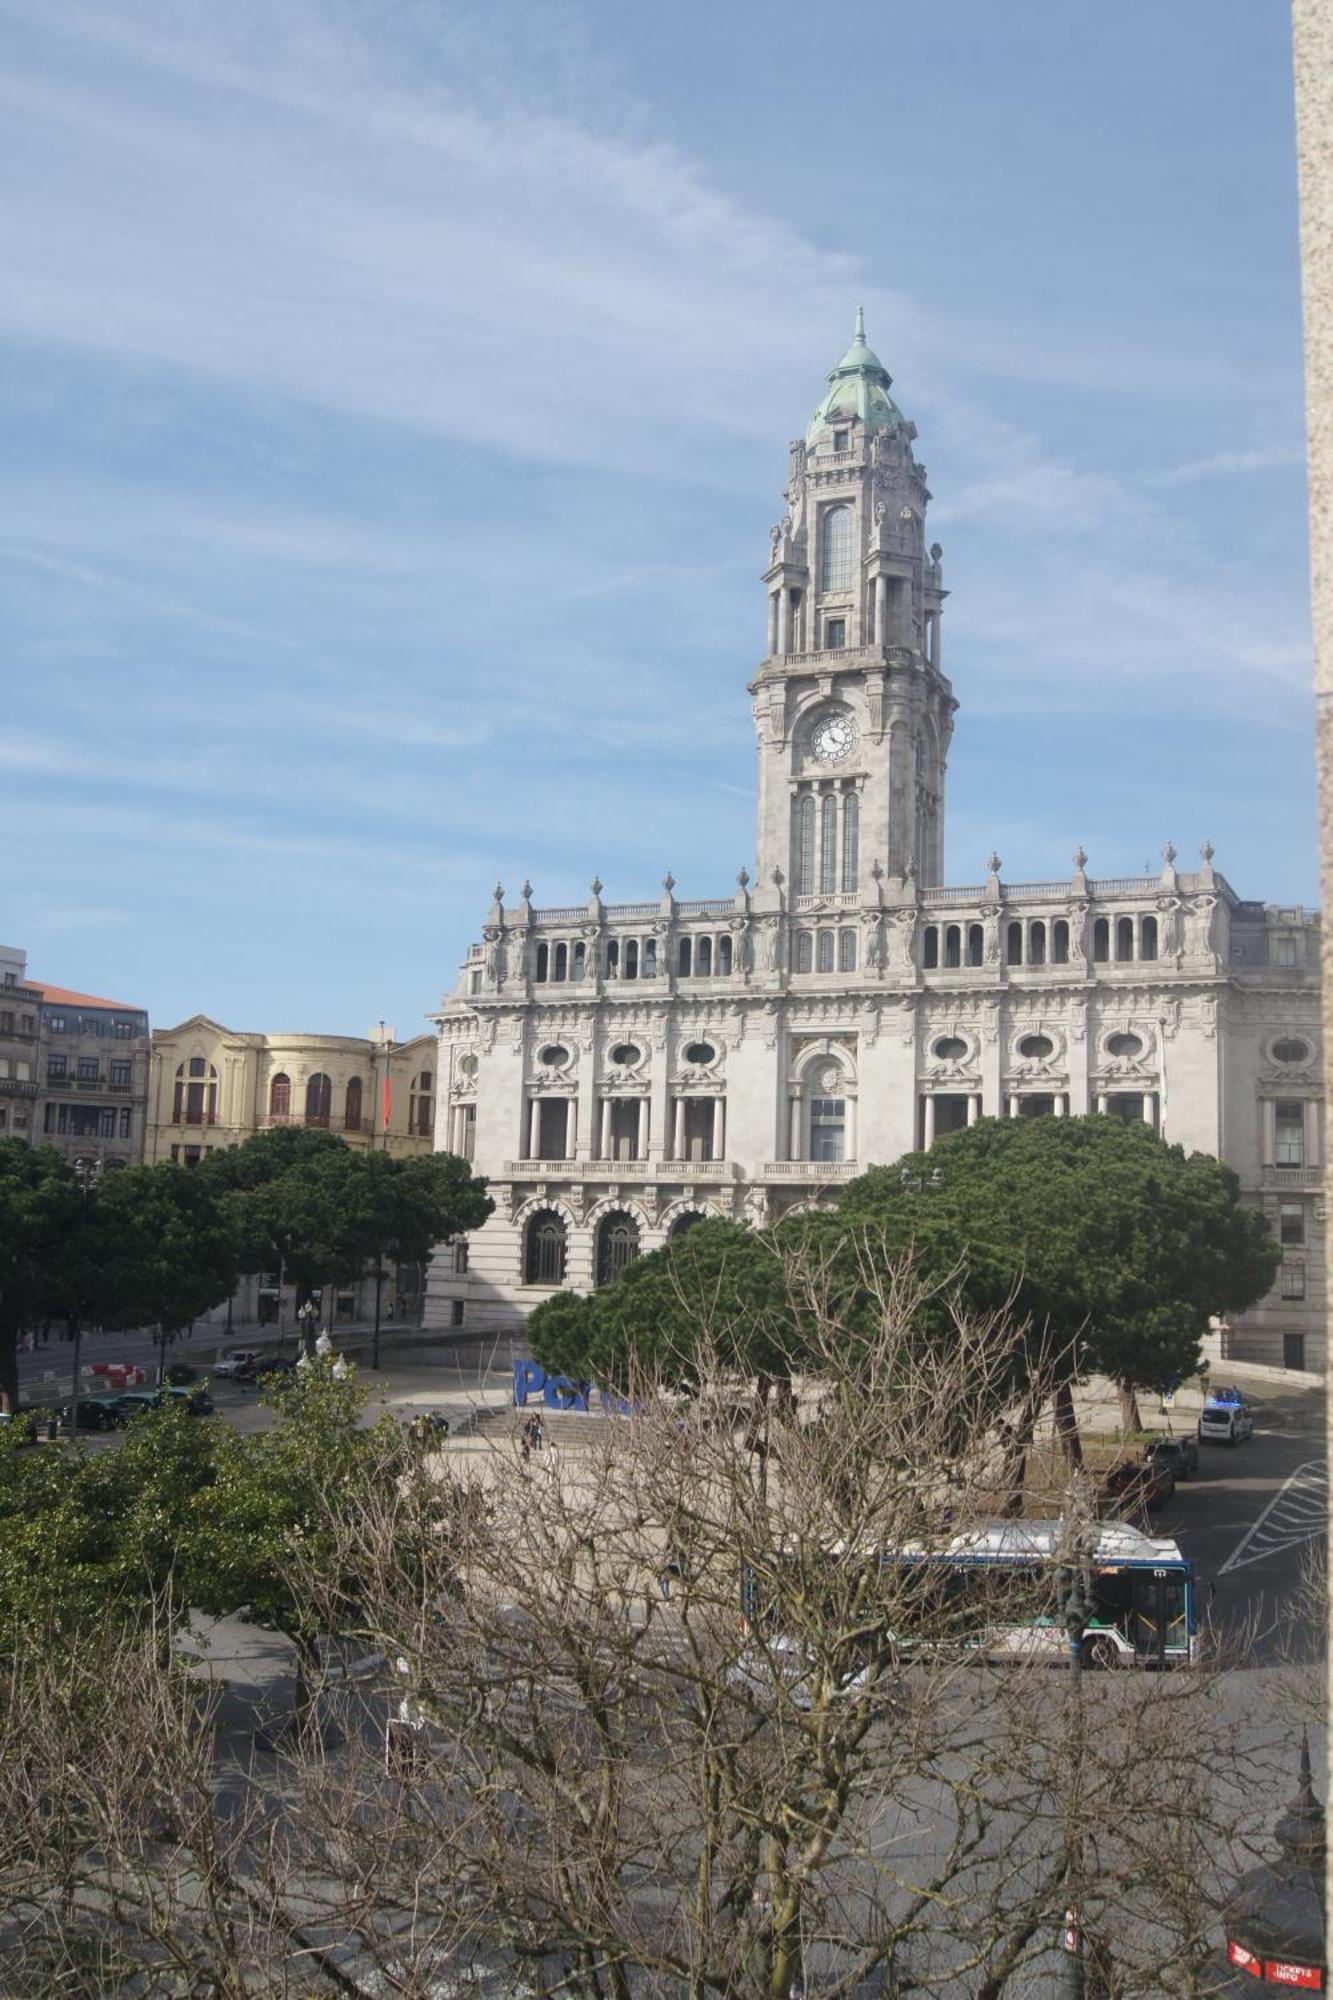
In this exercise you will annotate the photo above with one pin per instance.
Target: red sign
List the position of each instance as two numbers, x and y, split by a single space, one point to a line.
1246 1960
1286 1972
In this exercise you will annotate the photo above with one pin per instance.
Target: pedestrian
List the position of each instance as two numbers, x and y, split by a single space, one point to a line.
525 1437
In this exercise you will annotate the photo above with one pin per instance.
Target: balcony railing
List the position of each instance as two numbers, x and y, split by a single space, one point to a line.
319 1119
812 1170
1292 1177
620 1170
17 1086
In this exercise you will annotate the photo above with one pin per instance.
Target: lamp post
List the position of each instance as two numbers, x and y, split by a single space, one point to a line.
306 1317
1076 1624
87 1172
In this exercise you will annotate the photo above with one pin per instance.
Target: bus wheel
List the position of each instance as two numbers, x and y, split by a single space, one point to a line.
1103 1653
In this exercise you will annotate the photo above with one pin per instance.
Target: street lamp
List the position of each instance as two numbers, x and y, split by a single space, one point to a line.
306 1317
87 1172
1076 1614
920 1179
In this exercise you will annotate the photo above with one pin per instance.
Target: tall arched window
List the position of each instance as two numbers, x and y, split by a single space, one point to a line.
683 962
1013 946
561 960
650 958
318 1099
847 951
631 958
824 958
421 1105
580 960
613 958
544 1251
835 549
617 1245
1101 940
851 840
196 1098
805 845
1148 938
828 855
976 944
1060 942
543 955
953 945
724 957
352 1112
1037 943
280 1096
1124 937
930 947
703 957
805 951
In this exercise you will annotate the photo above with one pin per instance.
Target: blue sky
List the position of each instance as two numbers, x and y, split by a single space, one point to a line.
396 401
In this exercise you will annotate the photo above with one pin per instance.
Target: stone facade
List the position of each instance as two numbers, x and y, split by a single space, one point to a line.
213 1087
20 1027
618 1070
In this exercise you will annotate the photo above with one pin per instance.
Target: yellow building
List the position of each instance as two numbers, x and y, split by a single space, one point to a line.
212 1087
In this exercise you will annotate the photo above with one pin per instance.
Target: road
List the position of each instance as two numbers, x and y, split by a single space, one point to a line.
1254 1516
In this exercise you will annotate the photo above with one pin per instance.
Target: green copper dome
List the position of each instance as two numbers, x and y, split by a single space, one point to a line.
858 388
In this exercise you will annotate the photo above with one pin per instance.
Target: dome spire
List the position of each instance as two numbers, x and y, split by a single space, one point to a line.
859 332
858 390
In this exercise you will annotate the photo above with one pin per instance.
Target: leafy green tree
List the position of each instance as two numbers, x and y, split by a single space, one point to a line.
1118 1246
408 1206
41 1216
171 1248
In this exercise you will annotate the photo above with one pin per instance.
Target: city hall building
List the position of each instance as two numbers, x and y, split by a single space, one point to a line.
619 1070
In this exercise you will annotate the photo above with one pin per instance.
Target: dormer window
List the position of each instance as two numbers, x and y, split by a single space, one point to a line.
841 440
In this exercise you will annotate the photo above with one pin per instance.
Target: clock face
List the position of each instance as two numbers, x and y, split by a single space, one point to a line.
833 739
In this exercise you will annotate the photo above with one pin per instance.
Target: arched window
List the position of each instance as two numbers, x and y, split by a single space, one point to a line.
805 951
280 1096
196 1096
930 947
703 957
1148 938
686 1221
976 944
1124 938
724 957
851 840
561 961
847 951
617 1245
613 958
544 1250
828 854
824 956
650 958
1037 943
805 845
953 945
631 958
1060 942
1013 948
580 960
318 1099
683 958
352 1110
835 549
421 1105
1101 940
543 956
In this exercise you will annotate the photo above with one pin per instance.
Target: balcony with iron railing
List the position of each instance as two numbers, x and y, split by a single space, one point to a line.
620 1170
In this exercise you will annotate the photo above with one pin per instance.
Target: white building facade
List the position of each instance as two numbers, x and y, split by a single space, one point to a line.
618 1071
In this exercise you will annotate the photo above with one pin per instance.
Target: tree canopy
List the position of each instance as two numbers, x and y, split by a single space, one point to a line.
1112 1246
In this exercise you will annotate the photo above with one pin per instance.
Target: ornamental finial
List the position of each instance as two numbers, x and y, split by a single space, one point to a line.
526 891
994 863
596 885
1080 858
859 332
668 881
1207 850
497 893
743 878
1168 852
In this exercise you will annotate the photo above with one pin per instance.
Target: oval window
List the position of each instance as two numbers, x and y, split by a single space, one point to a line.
553 1055
1036 1045
951 1048
625 1052
1124 1045
700 1052
1290 1050
467 1065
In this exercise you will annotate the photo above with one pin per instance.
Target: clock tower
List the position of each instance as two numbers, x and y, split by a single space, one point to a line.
852 710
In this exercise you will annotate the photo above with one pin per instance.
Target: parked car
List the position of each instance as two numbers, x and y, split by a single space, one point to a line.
264 1366
1225 1423
137 1403
96 1413
230 1365
1138 1482
197 1401
1180 1453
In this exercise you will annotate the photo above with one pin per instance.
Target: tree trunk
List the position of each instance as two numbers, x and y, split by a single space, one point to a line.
1016 1447
9 1364
1130 1420
1066 1426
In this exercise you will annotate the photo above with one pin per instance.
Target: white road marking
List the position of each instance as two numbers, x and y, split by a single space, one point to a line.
1295 1514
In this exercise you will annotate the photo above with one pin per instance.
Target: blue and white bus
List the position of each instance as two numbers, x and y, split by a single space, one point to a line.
999 1588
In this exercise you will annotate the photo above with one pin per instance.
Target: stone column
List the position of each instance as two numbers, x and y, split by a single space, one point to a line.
604 1132
678 1131
534 1127
773 622
849 1136
881 611
1060 1104
794 1130
973 1110
719 1104
1149 1108
784 619
1013 1107
929 1123
643 1128
1103 1104
1268 1130
571 1127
